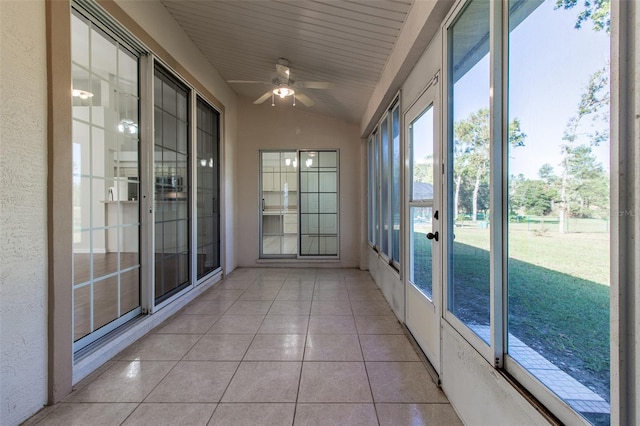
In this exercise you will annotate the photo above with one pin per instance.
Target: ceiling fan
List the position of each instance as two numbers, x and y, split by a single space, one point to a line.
285 86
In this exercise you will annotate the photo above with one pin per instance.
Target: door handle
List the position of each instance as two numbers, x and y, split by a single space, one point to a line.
263 204
432 236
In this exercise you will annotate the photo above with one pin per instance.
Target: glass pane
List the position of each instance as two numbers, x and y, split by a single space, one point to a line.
309 245
420 250
128 73
129 290
80 45
81 312
103 55
327 159
371 189
395 184
171 188
421 146
81 257
105 156
376 190
280 202
385 190
328 182
328 224
469 169
309 223
558 239
81 148
328 203
105 293
319 186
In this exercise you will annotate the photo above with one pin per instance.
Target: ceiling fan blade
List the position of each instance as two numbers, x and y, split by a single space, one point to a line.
314 84
248 81
263 98
304 99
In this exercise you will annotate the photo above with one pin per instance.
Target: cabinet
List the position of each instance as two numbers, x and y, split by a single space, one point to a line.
290 223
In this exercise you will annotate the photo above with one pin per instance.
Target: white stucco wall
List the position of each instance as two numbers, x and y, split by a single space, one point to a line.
23 210
288 127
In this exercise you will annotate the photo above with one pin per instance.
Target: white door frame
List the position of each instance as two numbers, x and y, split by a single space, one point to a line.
418 308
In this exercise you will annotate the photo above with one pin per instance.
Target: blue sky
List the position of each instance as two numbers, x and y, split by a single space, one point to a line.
550 65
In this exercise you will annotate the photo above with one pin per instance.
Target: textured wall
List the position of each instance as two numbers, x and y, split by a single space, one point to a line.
23 214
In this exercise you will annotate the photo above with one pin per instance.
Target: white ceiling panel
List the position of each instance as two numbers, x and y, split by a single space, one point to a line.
345 42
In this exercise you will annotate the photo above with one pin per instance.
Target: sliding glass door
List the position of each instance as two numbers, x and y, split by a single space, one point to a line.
106 182
208 189
318 203
299 192
171 140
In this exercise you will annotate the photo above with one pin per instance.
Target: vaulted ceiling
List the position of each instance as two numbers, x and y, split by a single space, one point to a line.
344 42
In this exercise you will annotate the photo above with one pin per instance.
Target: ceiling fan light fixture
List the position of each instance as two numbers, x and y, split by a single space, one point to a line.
283 92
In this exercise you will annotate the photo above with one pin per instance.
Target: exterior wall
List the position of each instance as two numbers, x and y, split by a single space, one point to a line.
23 210
288 127
478 392
389 283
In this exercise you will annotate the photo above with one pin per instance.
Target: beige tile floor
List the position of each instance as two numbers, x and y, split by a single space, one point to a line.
267 347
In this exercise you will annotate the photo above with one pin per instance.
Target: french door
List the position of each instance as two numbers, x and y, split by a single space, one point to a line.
423 277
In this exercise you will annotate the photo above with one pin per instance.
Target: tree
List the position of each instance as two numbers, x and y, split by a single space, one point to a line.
547 174
579 165
423 171
595 10
472 155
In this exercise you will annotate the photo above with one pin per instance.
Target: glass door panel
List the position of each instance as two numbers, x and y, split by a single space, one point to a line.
279 198
319 203
106 181
208 191
171 185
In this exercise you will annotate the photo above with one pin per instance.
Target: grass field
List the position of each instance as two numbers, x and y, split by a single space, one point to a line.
558 286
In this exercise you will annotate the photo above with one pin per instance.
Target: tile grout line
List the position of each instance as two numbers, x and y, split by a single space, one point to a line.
245 353
366 370
304 351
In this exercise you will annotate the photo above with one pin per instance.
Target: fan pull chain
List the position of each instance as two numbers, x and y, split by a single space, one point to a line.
273 99
294 99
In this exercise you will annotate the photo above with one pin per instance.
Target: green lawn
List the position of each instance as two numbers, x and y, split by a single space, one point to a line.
558 294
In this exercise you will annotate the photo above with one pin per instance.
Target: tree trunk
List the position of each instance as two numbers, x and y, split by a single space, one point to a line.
563 200
456 197
476 189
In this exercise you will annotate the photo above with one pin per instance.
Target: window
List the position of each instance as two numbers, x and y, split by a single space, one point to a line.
375 219
171 167
396 168
558 227
385 187
421 201
468 171
385 171
372 184
540 148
